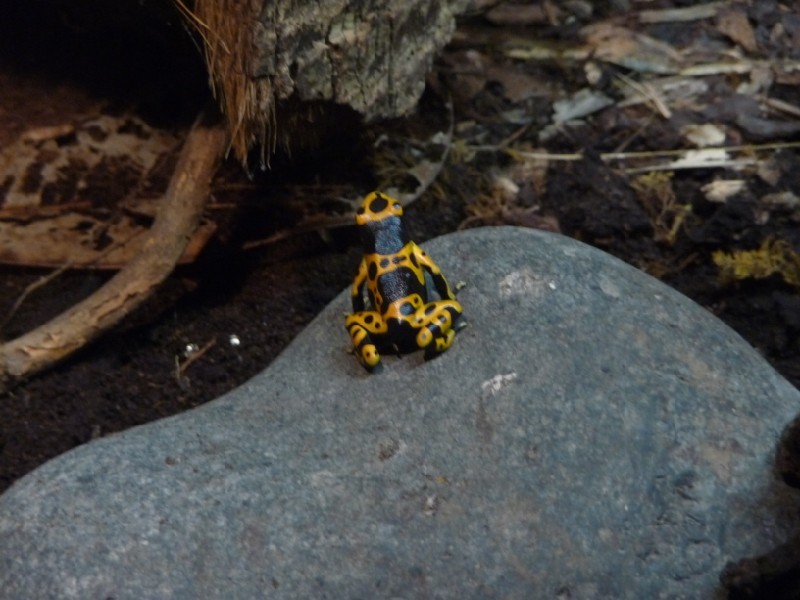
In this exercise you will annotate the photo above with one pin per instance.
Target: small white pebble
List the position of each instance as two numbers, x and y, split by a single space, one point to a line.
498 382
430 505
234 340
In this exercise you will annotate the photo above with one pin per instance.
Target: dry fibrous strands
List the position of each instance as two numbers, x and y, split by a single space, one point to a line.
723 156
781 106
178 216
247 103
739 67
675 15
648 93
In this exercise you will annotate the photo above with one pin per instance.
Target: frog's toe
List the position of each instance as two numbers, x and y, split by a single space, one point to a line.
376 370
369 357
445 341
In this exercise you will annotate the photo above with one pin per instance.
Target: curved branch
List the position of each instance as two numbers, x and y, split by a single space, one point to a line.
178 217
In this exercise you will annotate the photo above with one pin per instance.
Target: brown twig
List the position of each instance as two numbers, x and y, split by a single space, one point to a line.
42 281
180 367
178 217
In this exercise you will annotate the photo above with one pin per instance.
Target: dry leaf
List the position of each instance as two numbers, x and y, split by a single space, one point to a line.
703 136
517 14
720 190
785 200
580 104
673 15
465 73
770 170
632 50
518 85
733 23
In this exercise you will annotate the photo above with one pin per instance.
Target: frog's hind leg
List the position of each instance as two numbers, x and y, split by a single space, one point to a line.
438 323
365 328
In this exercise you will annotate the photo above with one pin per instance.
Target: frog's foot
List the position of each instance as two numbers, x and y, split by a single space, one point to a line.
440 321
363 327
440 344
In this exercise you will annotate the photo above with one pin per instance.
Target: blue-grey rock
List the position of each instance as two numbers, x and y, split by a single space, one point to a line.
590 434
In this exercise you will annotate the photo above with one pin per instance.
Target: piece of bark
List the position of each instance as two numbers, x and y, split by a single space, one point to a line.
178 215
370 55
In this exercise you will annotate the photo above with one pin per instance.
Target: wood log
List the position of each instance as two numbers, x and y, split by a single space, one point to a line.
370 55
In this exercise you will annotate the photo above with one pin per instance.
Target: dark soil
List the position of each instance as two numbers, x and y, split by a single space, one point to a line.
244 306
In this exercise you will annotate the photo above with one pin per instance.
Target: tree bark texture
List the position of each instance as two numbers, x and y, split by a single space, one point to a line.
371 55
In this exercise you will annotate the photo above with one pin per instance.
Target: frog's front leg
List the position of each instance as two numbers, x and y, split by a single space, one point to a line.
366 327
439 282
435 322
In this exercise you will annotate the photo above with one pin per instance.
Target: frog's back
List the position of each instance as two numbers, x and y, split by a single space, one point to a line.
398 284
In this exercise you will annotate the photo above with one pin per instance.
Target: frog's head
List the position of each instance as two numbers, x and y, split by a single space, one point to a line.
376 208
380 224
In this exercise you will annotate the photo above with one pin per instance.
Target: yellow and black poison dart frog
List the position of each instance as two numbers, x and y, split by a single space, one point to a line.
393 270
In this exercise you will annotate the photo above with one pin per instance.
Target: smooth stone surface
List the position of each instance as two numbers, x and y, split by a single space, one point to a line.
590 434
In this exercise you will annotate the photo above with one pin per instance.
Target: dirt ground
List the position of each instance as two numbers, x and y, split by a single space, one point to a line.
724 233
